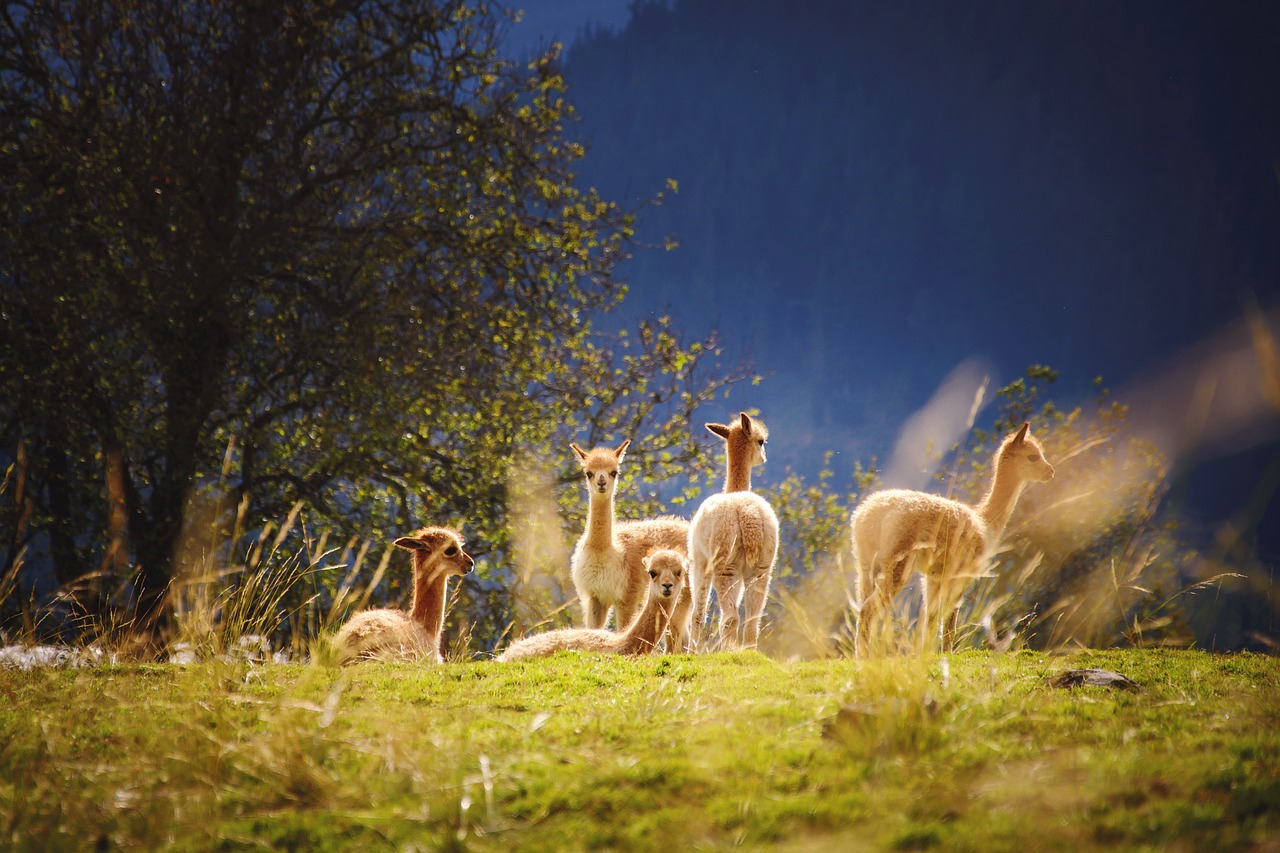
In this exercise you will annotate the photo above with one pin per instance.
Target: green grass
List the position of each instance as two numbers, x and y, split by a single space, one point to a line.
670 753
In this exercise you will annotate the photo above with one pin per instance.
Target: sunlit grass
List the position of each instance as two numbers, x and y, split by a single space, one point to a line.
971 751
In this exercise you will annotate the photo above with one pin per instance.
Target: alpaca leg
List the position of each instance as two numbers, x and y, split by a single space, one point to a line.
595 610
949 631
931 609
678 628
700 594
868 573
944 611
625 612
757 592
868 607
728 593
879 602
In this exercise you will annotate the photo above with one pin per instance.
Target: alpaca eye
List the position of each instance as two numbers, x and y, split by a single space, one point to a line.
652 573
451 551
613 474
761 442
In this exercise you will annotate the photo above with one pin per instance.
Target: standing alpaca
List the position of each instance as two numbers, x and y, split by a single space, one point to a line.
733 540
666 584
395 635
607 562
897 531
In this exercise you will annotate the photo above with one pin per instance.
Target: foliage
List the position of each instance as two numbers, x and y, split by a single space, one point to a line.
254 258
969 752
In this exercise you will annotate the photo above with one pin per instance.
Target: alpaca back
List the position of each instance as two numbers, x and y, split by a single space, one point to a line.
948 535
735 530
387 635
564 639
652 534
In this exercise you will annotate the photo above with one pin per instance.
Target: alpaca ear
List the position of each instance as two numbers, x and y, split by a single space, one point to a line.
578 450
411 544
719 429
746 422
621 450
1022 433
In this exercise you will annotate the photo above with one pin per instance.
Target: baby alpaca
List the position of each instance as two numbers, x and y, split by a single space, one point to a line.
607 562
733 540
897 531
398 636
666 583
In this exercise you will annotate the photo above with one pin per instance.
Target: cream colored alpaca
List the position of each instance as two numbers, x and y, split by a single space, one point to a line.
395 635
607 562
897 531
733 540
665 569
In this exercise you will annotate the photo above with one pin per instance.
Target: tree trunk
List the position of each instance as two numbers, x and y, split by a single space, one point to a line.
67 566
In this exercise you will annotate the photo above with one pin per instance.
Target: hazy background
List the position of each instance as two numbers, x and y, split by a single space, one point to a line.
884 202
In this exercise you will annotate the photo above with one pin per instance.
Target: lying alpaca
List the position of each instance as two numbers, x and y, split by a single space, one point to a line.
666 582
394 635
607 562
733 540
897 531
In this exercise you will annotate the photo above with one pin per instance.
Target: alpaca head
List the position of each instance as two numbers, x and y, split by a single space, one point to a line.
745 439
666 573
600 468
1023 456
437 551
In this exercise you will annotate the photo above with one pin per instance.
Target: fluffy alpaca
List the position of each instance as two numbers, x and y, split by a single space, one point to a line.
733 540
897 531
395 635
665 569
607 562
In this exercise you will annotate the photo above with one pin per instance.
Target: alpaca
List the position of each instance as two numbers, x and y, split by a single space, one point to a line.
897 531
395 635
607 562
733 540
665 568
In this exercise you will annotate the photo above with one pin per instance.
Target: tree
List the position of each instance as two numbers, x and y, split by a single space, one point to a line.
329 253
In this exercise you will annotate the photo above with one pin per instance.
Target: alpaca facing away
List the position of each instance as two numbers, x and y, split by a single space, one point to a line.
665 569
607 563
733 540
897 531
394 635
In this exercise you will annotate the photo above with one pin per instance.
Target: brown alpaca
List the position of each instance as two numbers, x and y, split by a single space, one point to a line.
393 635
665 569
733 540
607 564
898 531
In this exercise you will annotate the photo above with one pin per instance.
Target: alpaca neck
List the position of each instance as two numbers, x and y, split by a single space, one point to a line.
428 604
644 632
738 477
1000 500
599 535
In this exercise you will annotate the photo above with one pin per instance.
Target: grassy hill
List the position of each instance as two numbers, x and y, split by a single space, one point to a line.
972 752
